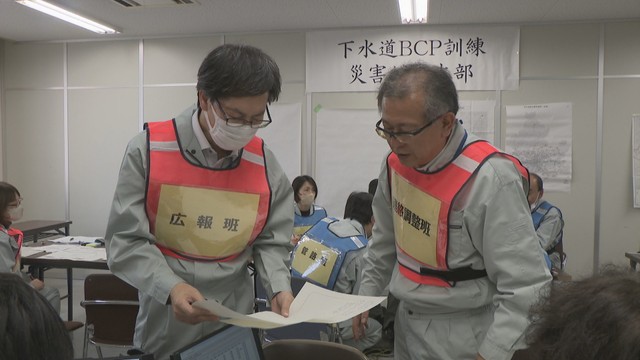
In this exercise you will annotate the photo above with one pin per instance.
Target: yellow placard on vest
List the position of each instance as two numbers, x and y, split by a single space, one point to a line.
415 220
314 261
205 222
299 230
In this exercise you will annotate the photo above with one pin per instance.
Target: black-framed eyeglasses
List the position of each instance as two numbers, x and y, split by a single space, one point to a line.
239 122
402 136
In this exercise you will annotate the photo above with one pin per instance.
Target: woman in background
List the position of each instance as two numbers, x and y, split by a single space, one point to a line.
307 214
11 242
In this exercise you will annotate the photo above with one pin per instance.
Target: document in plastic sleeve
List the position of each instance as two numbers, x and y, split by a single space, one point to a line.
313 304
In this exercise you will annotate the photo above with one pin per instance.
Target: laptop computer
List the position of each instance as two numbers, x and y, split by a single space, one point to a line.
230 342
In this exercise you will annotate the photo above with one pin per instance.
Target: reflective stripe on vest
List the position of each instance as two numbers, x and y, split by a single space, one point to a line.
202 214
18 236
303 223
320 253
421 205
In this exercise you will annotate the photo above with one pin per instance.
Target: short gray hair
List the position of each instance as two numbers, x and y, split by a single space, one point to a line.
433 82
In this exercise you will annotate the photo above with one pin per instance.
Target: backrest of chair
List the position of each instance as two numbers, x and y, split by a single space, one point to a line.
111 307
295 349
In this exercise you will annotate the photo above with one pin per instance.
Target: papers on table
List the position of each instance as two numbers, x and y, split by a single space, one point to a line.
313 304
65 252
82 240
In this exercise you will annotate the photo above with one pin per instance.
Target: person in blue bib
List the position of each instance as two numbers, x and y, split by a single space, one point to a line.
548 222
453 236
330 255
307 213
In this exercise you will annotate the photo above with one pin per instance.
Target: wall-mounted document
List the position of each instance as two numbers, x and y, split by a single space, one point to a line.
313 304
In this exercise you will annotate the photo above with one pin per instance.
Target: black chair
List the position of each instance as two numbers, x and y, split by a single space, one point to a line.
111 307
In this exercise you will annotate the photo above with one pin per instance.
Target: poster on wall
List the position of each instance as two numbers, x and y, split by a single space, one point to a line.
478 58
283 136
477 116
635 156
541 137
348 155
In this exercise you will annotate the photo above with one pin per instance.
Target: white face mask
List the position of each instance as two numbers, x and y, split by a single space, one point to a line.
228 137
15 213
307 199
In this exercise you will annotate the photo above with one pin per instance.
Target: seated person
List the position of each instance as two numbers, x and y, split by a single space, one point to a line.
11 242
30 328
547 220
591 319
307 214
330 253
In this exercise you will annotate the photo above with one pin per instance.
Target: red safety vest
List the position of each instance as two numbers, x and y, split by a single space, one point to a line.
202 214
421 205
18 236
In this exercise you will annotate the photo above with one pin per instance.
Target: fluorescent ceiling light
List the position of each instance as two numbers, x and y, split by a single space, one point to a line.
68 16
413 11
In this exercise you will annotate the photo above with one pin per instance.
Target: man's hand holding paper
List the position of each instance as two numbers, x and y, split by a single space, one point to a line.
313 304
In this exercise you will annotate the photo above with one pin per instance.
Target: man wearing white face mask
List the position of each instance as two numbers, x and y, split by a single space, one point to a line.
548 222
200 196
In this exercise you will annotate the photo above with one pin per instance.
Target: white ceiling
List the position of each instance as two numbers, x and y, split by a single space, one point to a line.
19 23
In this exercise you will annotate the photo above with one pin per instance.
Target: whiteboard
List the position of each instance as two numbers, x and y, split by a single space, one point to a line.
348 155
283 136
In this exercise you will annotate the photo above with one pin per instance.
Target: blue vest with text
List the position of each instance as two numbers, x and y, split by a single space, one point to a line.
320 254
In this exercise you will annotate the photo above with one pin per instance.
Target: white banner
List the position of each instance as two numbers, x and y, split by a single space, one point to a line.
479 58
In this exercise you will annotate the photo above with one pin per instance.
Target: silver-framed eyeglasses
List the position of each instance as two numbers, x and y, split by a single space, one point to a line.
239 122
402 136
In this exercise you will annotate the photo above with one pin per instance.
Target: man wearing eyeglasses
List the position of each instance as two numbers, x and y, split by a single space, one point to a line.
200 196
453 236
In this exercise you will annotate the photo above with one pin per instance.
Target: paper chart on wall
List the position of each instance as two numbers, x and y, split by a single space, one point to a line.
635 155
541 137
477 116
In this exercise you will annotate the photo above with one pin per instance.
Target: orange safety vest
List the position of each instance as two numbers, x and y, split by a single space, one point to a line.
421 205
203 214
18 236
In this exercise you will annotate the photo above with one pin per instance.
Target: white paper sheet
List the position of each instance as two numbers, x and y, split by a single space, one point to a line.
313 304
66 252
79 240
477 117
541 137
635 156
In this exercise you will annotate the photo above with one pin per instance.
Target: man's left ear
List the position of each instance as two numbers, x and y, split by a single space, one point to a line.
202 99
448 121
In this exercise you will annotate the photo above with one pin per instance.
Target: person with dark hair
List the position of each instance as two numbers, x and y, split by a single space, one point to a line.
373 185
11 242
342 244
30 327
548 222
595 318
453 237
199 197
307 213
